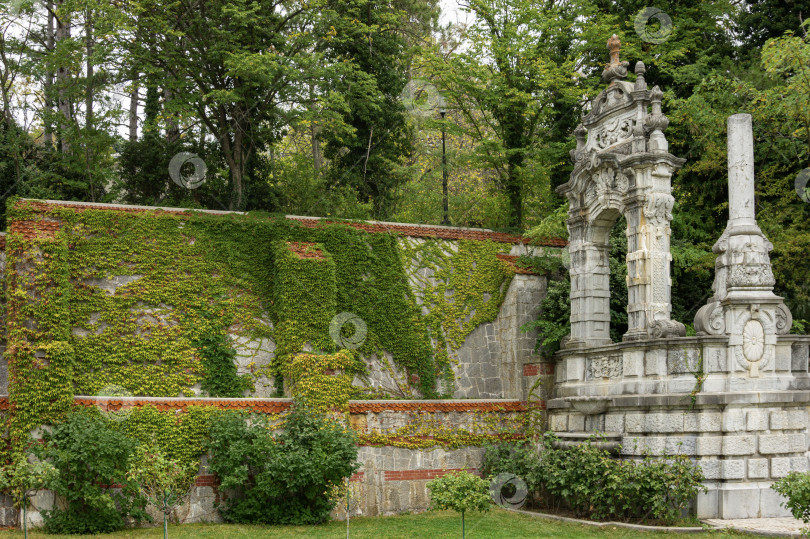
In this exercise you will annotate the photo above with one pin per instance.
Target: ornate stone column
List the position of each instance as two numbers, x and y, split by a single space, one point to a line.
744 306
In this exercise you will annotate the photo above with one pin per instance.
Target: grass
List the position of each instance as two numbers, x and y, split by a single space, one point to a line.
496 524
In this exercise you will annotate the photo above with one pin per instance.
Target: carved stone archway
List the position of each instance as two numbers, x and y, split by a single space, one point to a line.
622 166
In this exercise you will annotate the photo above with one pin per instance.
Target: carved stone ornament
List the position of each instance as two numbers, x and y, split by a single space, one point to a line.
663 329
710 319
617 130
753 340
658 210
605 367
784 319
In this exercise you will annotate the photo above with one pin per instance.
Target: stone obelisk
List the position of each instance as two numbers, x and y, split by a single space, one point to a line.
744 306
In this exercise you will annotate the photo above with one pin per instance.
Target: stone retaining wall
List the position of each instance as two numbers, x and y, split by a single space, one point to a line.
390 480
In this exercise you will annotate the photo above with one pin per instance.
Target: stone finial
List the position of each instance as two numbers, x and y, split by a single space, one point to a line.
641 83
613 45
656 122
616 69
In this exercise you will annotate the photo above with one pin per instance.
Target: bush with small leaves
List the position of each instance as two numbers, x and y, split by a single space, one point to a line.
286 478
796 488
91 459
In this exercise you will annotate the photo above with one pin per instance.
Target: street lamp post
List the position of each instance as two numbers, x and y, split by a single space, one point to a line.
446 214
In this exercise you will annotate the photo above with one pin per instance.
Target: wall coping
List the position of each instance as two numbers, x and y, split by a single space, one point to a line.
701 399
406 229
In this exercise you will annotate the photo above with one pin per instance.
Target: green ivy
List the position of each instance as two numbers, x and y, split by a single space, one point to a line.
462 285
185 281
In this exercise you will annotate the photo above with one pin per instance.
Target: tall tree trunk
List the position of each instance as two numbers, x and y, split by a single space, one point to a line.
47 134
88 102
63 78
236 154
172 129
317 157
133 109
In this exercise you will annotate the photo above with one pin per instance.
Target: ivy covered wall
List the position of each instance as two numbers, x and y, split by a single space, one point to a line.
116 300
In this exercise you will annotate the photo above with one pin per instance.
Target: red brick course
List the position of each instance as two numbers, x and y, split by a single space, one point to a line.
206 480
411 475
538 369
269 406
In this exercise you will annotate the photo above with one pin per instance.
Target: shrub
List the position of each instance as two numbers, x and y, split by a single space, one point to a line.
592 483
521 459
796 488
461 492
90 459
282 479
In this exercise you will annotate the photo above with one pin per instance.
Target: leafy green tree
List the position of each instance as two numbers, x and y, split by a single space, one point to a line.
163 481
460 491
510 80
796 488
23 477
258 59
371 36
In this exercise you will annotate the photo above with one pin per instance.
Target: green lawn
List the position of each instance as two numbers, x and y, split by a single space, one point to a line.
497 524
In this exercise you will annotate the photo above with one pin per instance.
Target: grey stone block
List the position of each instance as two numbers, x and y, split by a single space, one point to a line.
733 469
707 503
739 445
756 420
798 464
576 423
733 420
558 422
663 422
711 468
795 418
709 445
799 357
633 363
739 501
682 361
614 423
634 422
715 360
757 468
770 503
655 363
702 422
770 444
780 467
